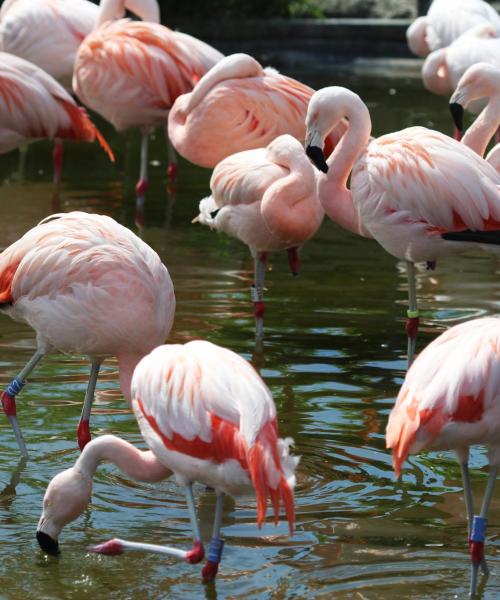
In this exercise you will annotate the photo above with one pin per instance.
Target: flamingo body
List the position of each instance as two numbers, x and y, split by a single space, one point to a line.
238 105
88 285
47 32
207 416
34 106
131 72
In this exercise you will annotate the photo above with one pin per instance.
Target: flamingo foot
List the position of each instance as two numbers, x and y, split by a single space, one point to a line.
214 556
111 547
83 433
294 261
196 554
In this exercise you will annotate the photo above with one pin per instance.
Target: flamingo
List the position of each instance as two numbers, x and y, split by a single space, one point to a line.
206 416
480 81
418 192
90 286
449 401
238 105
267 198
131 73
446 20
34 106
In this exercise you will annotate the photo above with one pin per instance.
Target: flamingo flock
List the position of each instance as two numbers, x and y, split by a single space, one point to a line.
283 156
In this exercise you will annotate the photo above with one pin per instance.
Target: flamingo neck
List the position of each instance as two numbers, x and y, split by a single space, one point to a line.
435 74
127 363
479 134
140 465
110 10
335 197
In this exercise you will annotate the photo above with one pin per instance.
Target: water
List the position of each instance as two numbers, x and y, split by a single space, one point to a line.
334 358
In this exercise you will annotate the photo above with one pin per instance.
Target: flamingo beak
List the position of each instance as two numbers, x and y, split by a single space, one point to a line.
47 544
457 113
317 158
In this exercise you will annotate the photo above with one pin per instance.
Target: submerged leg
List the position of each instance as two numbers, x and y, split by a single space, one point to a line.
83 430
195 555
57 160
413 318
9 399
257 292
478 533
294 260
216 547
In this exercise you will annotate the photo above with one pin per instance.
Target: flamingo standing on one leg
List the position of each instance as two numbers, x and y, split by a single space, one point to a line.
207 416
131 73
239 105
416 191
479 82
90 286
266 198
449 401
34 106
445 21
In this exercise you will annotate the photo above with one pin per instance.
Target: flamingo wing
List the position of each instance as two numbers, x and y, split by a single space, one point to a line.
450 390
422 177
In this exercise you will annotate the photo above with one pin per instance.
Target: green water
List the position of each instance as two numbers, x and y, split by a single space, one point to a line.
334 358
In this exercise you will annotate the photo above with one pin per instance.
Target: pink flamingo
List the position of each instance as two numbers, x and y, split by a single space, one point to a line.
238 105
449 401
480 83
131 73
418 192
266 198
34 106
86 285
446 20
206 416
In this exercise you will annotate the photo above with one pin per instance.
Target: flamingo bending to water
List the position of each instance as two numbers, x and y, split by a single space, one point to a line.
479 82
239 105
418 192
449 401
131 73
266 198
86 285
206 416
445 21
34 106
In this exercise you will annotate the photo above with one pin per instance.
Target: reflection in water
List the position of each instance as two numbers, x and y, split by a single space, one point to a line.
333 357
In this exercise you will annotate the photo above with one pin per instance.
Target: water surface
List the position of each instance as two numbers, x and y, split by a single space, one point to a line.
334 358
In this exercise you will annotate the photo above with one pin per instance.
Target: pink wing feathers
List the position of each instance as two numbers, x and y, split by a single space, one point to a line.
208 403
424 177
34 106
450 390
131 72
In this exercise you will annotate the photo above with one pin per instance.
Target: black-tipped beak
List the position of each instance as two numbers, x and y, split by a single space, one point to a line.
317 158
47 544
457 113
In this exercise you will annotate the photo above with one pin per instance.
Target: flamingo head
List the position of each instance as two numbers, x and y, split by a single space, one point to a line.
67 496
481 80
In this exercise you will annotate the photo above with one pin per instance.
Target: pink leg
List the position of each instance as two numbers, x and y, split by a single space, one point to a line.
294 261
83 430
57 159
172 165
216 547
142 185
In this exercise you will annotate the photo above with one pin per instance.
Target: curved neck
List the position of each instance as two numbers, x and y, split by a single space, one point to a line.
127 363
110 10
140 465
333 192
435 74
479 134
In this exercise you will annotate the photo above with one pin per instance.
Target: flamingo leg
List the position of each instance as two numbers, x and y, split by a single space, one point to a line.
172 165
57 160
142 185
9 399
478 532
413 316
216 547
83 430
257 292
294 260
195 555
21 173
